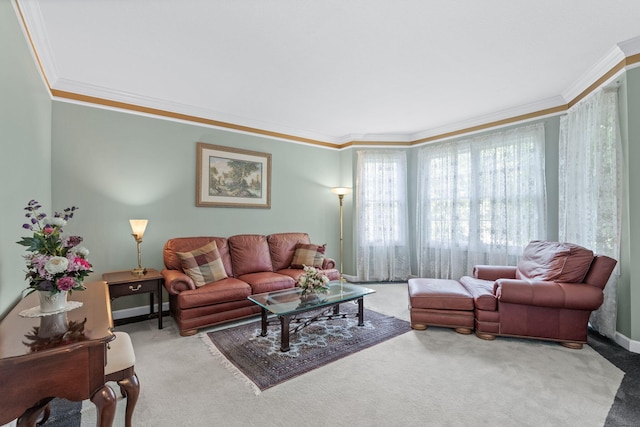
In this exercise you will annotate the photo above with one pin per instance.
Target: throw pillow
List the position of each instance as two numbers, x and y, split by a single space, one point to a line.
203 265
308 254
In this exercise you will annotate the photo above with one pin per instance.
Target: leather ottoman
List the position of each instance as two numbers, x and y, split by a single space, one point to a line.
440 302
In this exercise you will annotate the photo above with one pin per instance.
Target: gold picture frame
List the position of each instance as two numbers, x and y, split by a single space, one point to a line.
231 177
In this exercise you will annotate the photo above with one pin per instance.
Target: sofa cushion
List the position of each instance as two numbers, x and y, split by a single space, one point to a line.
222 291
282 246
554 261
267 282
185 244
249 254
308 254
203 265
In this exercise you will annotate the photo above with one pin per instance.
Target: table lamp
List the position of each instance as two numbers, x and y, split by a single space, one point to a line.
137 227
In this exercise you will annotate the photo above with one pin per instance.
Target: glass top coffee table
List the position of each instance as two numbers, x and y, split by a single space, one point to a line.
288 303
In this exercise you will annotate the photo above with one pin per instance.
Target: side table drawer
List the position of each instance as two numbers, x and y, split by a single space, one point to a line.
124 289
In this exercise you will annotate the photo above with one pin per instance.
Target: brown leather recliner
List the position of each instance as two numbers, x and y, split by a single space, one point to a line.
549 295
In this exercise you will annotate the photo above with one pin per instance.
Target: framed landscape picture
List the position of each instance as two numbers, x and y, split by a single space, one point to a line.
231 177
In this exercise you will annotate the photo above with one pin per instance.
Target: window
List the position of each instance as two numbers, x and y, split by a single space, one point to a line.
479 199
382 215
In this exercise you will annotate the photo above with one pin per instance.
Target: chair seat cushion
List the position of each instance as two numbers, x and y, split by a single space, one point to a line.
120 354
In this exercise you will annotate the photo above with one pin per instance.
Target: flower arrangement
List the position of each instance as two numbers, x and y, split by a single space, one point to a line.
312 280
55 263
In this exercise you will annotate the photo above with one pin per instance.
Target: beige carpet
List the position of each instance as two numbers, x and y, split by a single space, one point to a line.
433 377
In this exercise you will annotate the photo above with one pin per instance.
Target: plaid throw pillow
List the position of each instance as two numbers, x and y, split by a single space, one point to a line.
309 255
203 265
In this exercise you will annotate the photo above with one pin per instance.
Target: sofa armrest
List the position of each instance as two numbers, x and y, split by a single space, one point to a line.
328 263
494 272
175 281
575 296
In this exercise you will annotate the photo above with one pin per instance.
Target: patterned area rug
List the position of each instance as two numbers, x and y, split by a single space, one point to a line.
260 360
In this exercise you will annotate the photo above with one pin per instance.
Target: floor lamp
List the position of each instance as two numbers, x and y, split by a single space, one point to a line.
341 191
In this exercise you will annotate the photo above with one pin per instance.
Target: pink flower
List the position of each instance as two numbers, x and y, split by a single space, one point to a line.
48 230
66 283
83 262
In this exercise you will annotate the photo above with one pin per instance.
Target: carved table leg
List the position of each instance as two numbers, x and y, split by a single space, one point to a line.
131 387
105 401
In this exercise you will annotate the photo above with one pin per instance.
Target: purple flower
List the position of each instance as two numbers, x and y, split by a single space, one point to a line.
71 241
45 285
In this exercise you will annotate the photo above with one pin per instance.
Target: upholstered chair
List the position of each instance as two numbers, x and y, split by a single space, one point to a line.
549 295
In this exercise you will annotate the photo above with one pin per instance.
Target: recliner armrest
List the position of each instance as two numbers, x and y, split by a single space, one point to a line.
575 296
175 281
494 272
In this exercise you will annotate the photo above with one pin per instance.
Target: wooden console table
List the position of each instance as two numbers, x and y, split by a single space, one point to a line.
35 369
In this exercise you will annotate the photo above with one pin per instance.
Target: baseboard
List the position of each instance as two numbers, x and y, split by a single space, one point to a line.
627 343
137 311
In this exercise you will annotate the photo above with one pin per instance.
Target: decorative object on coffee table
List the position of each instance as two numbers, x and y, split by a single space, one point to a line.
56 264
313 281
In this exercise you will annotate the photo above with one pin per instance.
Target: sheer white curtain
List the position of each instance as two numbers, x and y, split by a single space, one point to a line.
591 187
382 252
480 201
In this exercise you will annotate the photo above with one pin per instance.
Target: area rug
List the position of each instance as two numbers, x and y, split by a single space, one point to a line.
260 360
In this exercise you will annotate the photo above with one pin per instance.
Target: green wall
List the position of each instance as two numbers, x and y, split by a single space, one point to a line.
116 166
25 135
629 282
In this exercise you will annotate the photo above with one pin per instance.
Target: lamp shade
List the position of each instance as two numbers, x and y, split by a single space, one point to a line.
341 191
138 226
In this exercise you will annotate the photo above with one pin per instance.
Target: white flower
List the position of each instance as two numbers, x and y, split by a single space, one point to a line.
58 222
81 250
56 264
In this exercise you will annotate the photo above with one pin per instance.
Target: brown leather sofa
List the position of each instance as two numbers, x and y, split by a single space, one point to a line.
253 264
549 295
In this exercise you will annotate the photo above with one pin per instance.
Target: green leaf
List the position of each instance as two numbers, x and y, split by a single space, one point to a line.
33 244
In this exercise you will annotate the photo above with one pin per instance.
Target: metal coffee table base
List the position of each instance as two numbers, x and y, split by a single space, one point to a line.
285 321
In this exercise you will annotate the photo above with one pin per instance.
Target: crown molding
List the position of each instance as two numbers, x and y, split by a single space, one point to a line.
83 92
31 15
630 47
536 110
614 58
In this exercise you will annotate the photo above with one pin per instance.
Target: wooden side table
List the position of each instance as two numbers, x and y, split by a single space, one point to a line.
126 283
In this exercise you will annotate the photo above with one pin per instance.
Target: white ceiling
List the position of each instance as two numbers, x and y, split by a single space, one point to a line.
333 70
